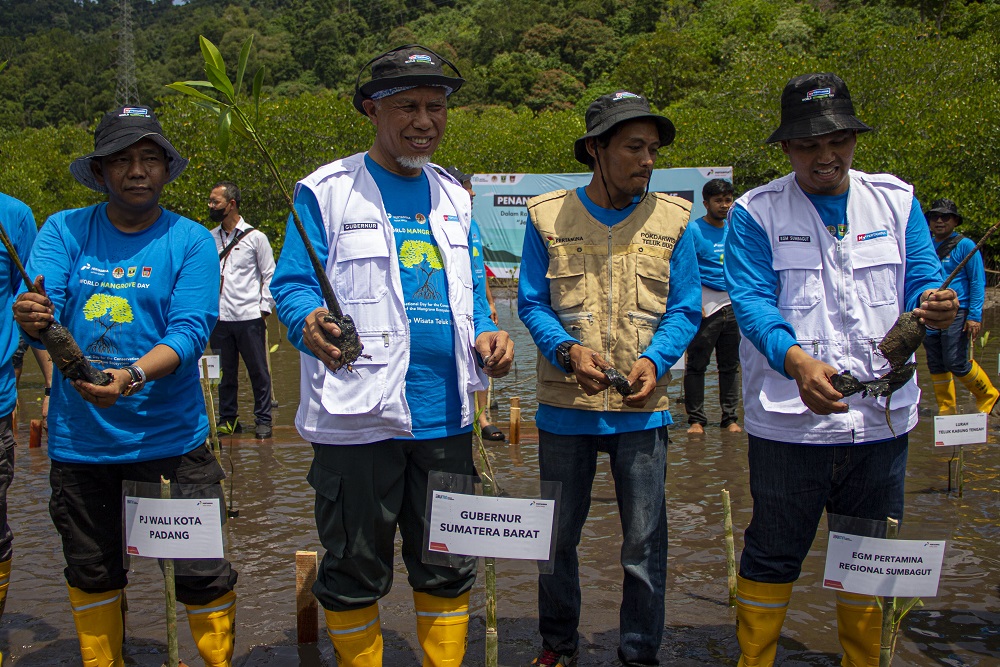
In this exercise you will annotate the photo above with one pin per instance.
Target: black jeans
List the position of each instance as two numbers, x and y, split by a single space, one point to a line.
232 340
719 332
363 493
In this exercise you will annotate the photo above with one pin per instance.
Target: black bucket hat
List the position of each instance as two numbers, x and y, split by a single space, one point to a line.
405 67
944 207
815 104
610 110
459 175
118 130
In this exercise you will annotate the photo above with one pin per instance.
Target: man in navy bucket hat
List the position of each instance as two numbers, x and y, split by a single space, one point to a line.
819 264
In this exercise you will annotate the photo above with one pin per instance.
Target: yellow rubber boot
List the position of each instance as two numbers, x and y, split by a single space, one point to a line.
978 382
213 627
99 627
356 636
944 391
760 612
859 626
442 628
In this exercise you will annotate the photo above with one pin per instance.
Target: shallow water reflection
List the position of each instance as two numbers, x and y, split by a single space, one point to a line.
268 487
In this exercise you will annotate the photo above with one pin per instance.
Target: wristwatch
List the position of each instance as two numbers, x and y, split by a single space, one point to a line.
562 354
138 380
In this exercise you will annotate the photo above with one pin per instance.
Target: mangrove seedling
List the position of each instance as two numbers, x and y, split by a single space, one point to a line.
234 118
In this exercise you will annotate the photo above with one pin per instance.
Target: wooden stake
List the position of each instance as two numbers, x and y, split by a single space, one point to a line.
213 431
306 607
35 433
727 514
887 644
171 590
960 471
515 421
489 563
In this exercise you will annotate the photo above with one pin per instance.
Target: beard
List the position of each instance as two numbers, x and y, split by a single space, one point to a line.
413 161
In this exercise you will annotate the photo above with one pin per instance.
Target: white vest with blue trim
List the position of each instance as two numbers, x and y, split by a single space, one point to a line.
841 297
369 404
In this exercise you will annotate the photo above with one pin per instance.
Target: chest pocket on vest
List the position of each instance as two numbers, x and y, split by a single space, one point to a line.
567 282
652 282
362 267
875 266
800 277
459 244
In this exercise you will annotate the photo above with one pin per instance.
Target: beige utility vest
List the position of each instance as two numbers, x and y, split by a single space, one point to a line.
608 286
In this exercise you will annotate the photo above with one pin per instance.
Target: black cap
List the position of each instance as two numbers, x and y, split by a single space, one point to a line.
945 207
813 105
118 130
405 67
610 110
459 175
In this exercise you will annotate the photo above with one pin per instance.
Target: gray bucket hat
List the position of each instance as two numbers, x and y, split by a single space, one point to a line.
118 130
405 67
610 110
813 105
944 207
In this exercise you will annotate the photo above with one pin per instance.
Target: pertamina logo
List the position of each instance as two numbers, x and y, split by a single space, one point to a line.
873 235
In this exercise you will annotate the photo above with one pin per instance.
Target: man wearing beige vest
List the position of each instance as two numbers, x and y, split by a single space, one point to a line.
609 280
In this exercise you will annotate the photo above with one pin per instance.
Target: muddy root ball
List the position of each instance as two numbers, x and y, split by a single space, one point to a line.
902 340
68 358
348 342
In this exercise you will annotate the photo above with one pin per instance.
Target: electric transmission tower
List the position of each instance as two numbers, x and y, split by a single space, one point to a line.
126 91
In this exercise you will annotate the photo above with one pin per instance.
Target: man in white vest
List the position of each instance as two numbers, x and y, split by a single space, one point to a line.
392 231
819 264
609 279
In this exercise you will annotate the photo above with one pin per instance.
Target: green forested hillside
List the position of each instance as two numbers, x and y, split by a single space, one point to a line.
924 73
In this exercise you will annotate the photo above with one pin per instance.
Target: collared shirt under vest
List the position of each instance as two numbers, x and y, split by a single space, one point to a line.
608 286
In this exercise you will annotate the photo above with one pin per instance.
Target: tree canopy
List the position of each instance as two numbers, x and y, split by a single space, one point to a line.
923 72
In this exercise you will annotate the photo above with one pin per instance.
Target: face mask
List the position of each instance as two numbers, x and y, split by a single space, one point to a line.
217 214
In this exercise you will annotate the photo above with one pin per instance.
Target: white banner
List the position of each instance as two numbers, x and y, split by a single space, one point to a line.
960 429
485 526
213 366
888 568
173 527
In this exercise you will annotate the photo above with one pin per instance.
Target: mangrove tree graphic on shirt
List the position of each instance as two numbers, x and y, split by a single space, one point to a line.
417 254
106 312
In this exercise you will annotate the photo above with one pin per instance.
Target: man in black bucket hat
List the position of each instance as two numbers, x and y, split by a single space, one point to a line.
948 350
609 278
393 231
138 287
819 264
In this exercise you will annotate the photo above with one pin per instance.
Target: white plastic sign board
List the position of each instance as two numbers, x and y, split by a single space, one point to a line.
213 366
485 526
173 527
960 429
888 568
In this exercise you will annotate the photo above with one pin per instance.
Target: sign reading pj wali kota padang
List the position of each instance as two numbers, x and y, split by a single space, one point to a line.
499 207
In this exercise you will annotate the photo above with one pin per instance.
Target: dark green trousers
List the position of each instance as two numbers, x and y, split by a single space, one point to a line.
363 492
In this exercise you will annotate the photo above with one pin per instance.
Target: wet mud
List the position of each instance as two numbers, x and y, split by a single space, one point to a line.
268 486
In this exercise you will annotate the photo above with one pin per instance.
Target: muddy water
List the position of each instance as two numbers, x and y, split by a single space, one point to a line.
267 483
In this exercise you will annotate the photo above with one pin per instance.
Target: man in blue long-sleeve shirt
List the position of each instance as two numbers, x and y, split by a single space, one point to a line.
819 264
718 330
608 278
948 350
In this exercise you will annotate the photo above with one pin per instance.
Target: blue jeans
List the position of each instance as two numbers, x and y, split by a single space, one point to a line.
791 485
948 350
638 465
720 332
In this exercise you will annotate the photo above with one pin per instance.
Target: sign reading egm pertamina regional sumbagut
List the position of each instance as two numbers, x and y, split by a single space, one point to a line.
887 568
486 526
173 527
